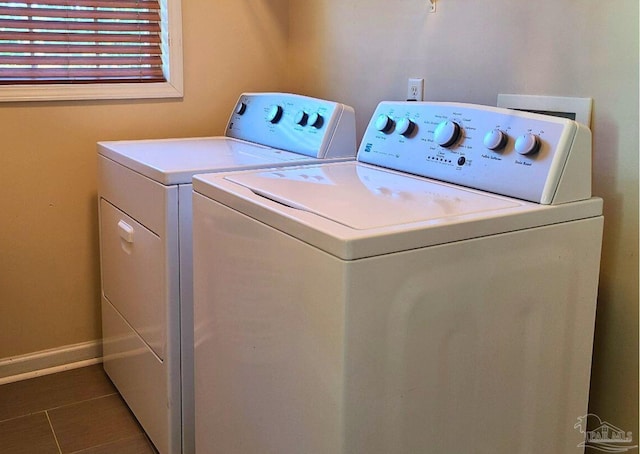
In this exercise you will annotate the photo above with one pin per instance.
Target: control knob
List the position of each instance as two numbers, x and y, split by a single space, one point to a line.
275 114
405 127
495 140
447 133
527 144
316 120
241 108
384 123
301 118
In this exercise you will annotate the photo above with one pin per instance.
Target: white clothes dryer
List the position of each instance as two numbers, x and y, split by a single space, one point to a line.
437 295
145 240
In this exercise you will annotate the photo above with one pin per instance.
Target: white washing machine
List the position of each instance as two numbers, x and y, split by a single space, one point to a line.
437 295
145 239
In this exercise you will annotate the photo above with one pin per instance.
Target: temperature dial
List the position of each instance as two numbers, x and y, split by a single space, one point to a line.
495 140
316 120
241 108
384 123
527 144
405 127
301 118
447 133
275 114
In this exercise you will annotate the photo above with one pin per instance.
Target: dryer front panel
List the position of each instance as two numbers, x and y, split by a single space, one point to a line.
133 274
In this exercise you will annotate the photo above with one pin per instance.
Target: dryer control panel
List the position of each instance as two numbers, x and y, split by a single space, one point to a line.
529 156
304 125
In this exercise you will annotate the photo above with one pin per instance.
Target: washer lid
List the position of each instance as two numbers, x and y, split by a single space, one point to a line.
354 210
175 161
364 197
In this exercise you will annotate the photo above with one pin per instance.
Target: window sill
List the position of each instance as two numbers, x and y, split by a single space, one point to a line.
83 92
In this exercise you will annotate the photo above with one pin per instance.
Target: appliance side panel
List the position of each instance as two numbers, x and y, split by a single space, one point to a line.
185 213
268 317
573 184
482 345
342 142
171 306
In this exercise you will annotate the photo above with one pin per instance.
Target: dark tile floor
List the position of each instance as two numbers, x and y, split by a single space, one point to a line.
76 411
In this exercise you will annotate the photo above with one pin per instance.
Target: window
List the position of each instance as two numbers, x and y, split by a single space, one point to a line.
90 49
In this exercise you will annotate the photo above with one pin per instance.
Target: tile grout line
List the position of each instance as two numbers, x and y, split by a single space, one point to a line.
59 406
46 412
76 402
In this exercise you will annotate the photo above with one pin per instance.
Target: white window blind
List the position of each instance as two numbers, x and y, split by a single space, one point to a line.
81 41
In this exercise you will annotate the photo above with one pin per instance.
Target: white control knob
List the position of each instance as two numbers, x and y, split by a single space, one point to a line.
241 108
384 123
495 140
316 120
275 114
301 118
527 144
405 127
447 133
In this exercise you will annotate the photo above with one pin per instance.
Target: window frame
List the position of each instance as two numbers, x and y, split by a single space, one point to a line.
171 14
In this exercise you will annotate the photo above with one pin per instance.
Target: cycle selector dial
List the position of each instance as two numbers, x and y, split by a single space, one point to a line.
384 123
447 133
405 127
495 140
528 144
274 114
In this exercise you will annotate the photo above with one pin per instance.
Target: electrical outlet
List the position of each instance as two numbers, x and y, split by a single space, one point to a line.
415 90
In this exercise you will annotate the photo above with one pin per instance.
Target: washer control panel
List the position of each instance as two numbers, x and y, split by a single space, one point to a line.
309 126
517 154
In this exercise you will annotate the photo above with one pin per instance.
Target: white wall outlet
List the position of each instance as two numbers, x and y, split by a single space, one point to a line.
415 90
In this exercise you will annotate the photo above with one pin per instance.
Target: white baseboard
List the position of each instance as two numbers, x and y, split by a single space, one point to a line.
50 361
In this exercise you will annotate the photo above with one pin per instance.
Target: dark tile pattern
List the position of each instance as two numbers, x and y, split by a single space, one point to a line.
73 412
50 391
27 435
92 423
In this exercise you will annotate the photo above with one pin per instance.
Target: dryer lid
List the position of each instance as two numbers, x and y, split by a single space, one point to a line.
175 161
364 197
